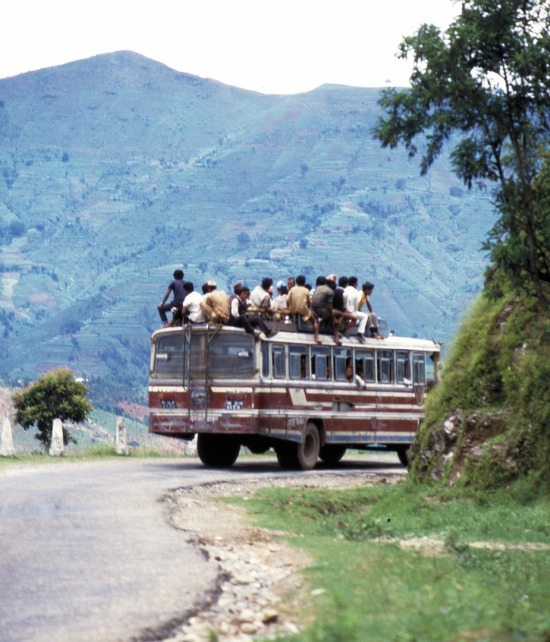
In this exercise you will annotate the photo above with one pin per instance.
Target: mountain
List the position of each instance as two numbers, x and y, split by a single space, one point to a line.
116 170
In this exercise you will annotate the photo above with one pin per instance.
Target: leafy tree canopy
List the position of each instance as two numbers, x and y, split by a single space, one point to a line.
56 395
486 81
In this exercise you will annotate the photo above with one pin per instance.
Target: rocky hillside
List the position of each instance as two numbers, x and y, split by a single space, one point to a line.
488 423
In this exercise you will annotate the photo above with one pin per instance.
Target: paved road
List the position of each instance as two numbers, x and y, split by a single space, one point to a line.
87 554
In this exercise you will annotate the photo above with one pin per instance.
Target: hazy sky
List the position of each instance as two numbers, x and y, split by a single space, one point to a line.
271 46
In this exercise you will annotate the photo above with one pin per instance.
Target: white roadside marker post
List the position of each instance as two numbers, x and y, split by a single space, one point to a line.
121 445
6 439
57 448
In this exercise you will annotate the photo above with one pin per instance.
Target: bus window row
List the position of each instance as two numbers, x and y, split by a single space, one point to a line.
326 363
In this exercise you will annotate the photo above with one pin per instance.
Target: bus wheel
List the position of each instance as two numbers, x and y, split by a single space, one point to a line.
331 454
218 451
403 454
307 452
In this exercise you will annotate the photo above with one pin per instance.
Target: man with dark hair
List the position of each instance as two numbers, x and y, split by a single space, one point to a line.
260 297
372 322
192 304
241 319
298 301
321 304
339 307
352 298
176 288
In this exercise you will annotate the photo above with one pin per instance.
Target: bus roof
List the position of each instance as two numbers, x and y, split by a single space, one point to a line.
305 338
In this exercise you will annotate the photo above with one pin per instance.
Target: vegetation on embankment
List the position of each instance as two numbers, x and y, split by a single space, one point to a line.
418 562
488 422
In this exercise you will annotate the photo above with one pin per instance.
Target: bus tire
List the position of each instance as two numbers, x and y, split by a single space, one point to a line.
403 454
217 451
307 451
331 454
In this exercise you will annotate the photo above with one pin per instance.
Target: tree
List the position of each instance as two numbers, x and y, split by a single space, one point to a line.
57 394
487 80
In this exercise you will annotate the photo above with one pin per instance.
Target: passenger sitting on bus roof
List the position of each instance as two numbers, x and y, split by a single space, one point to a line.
372 322
339 307
260 297
192 304
241 319
298 301
352 297
236 289
357 379
291 282
215 304
176 288
321 304
278 302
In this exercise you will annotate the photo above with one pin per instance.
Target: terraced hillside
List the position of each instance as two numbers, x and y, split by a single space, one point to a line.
116 170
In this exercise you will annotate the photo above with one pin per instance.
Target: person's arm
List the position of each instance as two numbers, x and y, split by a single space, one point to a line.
165 298
234 308
360 381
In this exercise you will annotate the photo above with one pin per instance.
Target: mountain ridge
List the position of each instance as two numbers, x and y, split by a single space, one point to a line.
116 169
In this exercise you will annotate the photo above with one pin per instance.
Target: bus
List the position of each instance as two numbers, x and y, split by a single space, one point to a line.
307 401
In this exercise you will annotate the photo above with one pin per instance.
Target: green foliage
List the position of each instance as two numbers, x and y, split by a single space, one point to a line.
375 589
497 376
56 395
486 79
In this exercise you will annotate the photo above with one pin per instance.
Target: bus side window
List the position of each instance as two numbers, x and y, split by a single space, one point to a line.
320 363
365 362
385 366
403 367
419 368
278 362
342 359
297 362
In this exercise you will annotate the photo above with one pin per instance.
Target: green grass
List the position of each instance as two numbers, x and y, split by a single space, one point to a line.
101 451
376 591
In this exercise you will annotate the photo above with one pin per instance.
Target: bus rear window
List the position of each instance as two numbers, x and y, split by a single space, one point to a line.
230 356
168 356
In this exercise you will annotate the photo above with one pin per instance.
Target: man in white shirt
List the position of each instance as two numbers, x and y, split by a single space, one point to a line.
192 304
352 298
260 297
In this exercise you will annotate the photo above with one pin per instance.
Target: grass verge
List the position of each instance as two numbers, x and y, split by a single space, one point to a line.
101 451
368 584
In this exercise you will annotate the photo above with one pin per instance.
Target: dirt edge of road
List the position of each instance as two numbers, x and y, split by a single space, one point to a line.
261 588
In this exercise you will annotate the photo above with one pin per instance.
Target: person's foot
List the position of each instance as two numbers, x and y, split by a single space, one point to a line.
361 338
377 336
317 340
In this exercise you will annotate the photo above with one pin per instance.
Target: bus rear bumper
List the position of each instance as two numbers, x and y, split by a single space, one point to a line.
175 424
